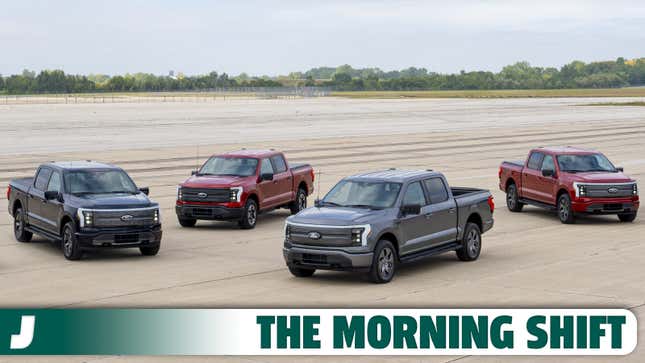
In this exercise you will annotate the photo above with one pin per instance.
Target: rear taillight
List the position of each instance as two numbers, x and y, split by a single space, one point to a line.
491 204
8 191
313 175
499 173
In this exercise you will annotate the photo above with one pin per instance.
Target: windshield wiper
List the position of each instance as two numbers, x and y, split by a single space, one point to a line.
361 206
332 203
123 191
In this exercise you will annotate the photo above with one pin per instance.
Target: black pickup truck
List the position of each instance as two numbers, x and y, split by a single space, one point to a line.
84 205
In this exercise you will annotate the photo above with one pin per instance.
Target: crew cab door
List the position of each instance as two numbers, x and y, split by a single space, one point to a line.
443 212
545 185
415 228
36 199
268 188
283 179
531 176
50 209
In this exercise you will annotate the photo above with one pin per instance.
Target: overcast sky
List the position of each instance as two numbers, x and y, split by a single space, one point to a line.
276 37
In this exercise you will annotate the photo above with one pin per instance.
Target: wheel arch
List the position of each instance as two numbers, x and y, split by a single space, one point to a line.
476 219
509 181
391 237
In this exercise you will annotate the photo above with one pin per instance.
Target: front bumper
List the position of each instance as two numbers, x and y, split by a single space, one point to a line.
119 237
605 205
208 212
325 259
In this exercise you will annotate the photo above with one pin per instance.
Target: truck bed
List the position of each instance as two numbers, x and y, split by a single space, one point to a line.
294 166
22 184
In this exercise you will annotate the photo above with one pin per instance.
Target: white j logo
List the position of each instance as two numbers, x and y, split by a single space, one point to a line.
23 340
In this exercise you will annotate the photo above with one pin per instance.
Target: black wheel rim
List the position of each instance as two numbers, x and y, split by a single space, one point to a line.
510 197
386 263
302 201
18 224
68 243
251 214
473 243
564 209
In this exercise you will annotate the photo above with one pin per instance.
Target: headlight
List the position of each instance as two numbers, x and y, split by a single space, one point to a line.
179 193
85 218
236 194
582 190
156 218
359 235
634 189
287 232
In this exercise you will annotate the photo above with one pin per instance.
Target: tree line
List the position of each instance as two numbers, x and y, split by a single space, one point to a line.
521 75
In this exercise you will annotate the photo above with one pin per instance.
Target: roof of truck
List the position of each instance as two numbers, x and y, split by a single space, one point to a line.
251 153
566 150
395 175
84 164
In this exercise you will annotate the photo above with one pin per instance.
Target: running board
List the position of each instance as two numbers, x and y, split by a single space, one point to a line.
535 203
43 233
431 252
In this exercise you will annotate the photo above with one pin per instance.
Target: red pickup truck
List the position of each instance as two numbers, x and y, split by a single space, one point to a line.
571 181
236 186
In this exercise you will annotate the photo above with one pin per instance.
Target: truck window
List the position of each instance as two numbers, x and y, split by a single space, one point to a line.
266 167
278 164
414 195
437 190
548 163
535 160
42 178
54 183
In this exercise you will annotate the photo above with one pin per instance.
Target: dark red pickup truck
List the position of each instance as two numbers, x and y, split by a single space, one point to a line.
236 186
571 181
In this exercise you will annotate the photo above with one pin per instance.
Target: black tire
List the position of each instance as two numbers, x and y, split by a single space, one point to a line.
627 217
187 222
565 213
300 203
250 216
512 199
301 272
471 244
149 251
19 227
71 248
383 263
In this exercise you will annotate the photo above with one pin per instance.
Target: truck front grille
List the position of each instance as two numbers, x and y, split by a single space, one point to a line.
124 218
329 236
218 195
609 190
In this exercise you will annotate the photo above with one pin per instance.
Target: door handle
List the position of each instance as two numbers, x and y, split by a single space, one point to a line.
428 215
452 210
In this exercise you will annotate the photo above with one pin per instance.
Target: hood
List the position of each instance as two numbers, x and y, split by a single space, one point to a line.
215 181
337 216
600 177
112 201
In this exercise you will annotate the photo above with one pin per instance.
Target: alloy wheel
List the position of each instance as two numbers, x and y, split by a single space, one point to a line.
473 243
302 201
386 263
251 214
68 243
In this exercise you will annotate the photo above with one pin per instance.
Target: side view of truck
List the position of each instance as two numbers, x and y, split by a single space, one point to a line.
84 205
571 181
236 186
370 222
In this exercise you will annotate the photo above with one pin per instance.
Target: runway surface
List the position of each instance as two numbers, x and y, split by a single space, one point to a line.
528 260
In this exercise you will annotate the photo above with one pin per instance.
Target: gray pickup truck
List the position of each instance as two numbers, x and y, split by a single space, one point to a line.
369 222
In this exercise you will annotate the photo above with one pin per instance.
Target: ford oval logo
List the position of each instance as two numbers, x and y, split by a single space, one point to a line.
314 235
126 218
612 190
202 195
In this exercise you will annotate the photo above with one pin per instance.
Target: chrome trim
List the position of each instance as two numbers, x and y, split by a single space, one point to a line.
366 232
238 196
81 217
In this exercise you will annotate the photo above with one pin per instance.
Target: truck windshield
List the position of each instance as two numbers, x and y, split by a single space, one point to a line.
99 182
229 166
362 194
584 163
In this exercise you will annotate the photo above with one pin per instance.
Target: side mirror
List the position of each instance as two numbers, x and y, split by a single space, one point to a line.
318 203
145 190
51 195
620 169
267 176
193 172
411 209
548 172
